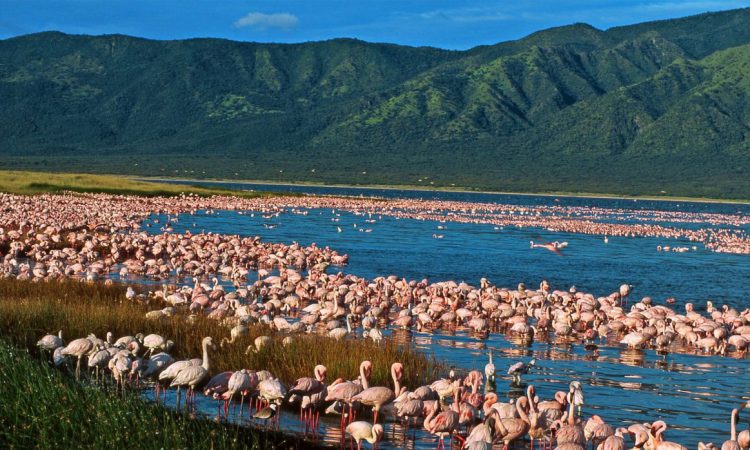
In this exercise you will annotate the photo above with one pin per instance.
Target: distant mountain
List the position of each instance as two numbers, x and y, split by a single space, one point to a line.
659 107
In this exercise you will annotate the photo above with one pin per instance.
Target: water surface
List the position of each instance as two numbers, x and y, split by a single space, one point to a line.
694 394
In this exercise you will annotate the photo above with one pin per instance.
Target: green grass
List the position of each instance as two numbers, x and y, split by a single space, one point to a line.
42 408
30 183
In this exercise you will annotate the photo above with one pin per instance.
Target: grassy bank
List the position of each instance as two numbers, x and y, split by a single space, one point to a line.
30 183
29 310
42 408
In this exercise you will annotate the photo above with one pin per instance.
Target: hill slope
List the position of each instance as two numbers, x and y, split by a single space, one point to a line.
650 108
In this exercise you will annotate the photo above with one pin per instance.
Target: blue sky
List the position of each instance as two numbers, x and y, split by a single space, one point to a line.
456 24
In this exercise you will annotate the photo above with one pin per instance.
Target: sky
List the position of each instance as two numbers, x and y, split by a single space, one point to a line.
451 24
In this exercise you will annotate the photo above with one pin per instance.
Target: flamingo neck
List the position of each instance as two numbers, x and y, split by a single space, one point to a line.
429 419
363 377
205 356
532 405
489 400
658 433
521 412
571 414
396 383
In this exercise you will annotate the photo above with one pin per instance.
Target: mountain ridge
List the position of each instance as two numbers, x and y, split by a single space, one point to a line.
640 109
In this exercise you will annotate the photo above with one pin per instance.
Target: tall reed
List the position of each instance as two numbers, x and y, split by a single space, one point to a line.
29 310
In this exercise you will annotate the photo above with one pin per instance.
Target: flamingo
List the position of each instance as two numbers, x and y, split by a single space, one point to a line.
743 438
614 442
217 386
50 342
489 372
156 342
235 333
549 246
597 431
537 421
271 390
154 366
192 376
624 292
658 443
511 429
258 344
99 359
361 430
78 348
572 432
520 368
380 395
171 371
241 381
345 391
482 436
308 386
732 443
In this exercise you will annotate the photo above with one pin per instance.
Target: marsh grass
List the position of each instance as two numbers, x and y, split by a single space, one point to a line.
30 310
29 183
42 408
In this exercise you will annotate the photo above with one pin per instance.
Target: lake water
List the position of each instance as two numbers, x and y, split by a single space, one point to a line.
694 394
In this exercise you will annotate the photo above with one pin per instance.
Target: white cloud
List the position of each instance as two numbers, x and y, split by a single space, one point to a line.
466 15
285 21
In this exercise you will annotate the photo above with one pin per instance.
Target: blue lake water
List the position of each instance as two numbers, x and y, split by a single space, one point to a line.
694 394
468 252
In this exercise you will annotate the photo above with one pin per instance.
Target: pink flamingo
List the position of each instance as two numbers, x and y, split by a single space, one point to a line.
217 386
241 382
380 395
441 424
306 387
345 391
657 429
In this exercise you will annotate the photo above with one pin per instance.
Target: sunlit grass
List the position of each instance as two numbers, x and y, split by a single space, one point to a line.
29 310
29 183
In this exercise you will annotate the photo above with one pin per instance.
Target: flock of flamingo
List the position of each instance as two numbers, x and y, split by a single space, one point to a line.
286 286
97 236
455 407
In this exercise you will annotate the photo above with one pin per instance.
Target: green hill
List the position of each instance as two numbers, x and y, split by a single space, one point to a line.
643 109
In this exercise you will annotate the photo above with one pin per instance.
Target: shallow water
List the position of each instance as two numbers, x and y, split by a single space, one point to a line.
694 394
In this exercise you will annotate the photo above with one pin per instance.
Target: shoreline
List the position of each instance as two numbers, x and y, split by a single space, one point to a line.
414 188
